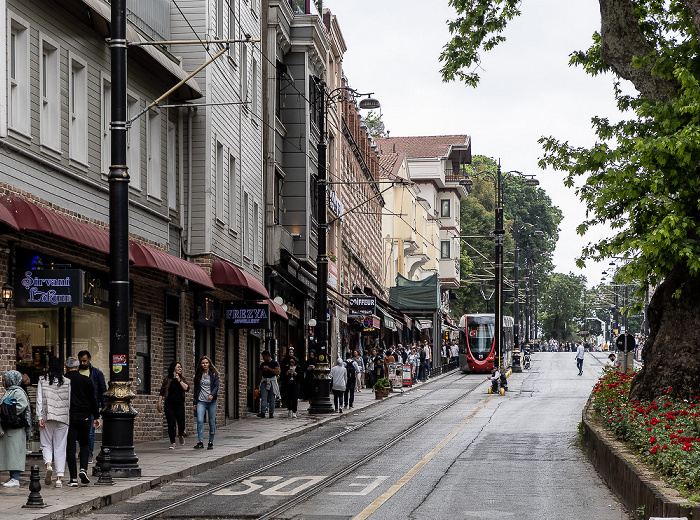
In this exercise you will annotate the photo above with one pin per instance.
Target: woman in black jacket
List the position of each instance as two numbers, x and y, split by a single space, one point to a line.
172 394
206 389
290 385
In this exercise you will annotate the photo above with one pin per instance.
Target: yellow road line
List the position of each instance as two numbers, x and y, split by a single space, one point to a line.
394 488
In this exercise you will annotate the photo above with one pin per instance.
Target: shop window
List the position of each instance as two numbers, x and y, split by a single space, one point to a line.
143 354
90 331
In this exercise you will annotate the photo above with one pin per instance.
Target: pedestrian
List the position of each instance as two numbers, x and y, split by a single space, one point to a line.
422 363
284 364
98 382
353 370
339 380
443 352
580 351
269 389
206 390
454 352
172 399
290 386
389 358
83 414
308 370
53 414
612 361
357 358
378 365
369 369
13 451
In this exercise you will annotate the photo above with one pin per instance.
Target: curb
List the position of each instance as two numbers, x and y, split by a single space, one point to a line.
147 485
627 476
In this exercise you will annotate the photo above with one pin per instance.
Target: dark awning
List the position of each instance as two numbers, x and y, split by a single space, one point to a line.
7 218
145 256
32 217
225 273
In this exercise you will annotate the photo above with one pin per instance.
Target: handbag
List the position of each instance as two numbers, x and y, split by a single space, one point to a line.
9 418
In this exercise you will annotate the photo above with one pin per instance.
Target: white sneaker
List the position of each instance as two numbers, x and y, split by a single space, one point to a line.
294 415
13 482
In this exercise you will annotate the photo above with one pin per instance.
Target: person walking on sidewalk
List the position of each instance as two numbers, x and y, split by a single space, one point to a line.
339 380
580 352
13 450
308 377
357 358
269 389
98 382
353 370
290 386
172 398
83 413
206 389
53 414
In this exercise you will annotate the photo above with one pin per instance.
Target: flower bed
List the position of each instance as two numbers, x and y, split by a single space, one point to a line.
665 433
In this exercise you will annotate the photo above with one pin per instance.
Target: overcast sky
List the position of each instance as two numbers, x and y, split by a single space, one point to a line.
527 89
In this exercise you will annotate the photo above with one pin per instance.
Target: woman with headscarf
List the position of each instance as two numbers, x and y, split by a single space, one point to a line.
13 450
53 411
309 367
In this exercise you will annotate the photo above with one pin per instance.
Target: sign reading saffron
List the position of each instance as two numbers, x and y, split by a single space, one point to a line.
49 288
247 315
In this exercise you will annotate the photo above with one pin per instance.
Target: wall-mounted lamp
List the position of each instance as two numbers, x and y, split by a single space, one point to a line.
296 236
312 322
278 300
6 295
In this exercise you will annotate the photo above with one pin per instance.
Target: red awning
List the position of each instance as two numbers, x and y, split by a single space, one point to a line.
7 218
145 256
225 273
277 309
32 217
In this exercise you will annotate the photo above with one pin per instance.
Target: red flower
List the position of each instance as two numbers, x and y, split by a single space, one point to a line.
652 439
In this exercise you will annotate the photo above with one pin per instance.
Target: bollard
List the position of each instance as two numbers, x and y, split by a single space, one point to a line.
34 500
105 470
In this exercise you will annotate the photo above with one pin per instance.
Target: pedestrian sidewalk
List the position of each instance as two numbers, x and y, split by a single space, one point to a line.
159 464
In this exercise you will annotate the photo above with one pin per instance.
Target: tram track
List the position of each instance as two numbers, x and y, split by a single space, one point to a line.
348 469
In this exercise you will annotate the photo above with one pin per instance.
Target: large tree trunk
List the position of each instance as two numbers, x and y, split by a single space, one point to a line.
671 351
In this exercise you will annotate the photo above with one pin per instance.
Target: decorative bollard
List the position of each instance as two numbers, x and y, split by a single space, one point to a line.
35 500
105 469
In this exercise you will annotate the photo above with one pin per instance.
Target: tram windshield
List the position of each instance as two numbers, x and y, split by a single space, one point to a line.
481 338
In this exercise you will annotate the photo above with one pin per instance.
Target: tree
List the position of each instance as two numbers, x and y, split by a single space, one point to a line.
641 177
561 306
375 125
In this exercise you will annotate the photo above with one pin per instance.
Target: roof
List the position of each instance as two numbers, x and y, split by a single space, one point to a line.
389 165
422 146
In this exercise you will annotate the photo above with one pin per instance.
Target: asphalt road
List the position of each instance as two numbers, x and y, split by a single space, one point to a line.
486 456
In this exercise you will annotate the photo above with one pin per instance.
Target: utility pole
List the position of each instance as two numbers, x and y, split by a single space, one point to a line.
119 415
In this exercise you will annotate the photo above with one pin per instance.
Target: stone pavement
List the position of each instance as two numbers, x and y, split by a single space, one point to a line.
160 464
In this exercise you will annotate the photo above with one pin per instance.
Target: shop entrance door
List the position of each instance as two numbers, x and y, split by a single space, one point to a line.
252 375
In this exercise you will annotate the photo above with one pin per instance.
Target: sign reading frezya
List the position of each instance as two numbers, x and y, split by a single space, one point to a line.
246 315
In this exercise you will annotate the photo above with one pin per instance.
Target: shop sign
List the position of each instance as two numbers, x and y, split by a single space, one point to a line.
335 204
50 288
361 305
371 323
246 315
332 274
342 314
389 323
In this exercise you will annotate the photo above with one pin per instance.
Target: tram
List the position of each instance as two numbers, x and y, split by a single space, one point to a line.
477 343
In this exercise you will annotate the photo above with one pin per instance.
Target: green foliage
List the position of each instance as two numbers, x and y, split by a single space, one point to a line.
479 25
561 306
665 433
375 125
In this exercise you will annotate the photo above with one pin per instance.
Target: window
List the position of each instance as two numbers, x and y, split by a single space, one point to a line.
49 86
244 72
232 30
256 234
445 208
232 194
105 118
254 79
277 202
444 249
143 353
314 100
246 226
18 88
153 146
171 160
219 181
133 142
77 104
219 23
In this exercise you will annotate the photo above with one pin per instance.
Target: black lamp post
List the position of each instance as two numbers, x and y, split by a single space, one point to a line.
320 402
119 415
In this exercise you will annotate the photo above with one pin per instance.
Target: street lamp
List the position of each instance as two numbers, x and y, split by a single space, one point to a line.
498 232
320 402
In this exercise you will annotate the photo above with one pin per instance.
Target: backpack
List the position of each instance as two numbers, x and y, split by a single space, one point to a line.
350 368
9 418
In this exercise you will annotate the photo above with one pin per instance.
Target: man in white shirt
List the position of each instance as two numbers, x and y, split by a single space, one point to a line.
580 351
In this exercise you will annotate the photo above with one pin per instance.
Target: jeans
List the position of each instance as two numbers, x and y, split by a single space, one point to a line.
349 389
78 430
14 474
92 436
579 364
338 399
210 408
267 396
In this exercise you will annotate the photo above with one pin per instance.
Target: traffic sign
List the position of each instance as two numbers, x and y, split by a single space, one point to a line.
625 342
